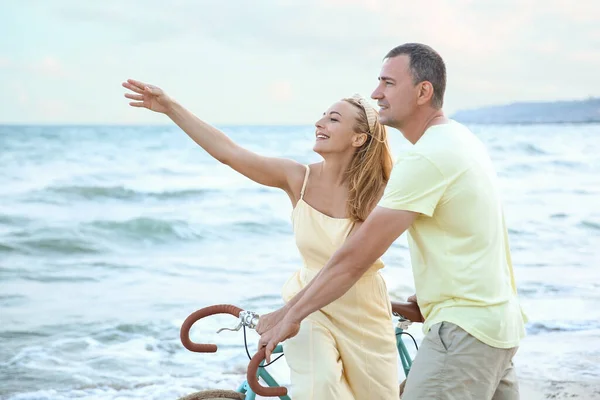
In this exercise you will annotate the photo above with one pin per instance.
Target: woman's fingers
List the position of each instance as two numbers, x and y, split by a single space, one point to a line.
136 103
138 84
134 96
133 88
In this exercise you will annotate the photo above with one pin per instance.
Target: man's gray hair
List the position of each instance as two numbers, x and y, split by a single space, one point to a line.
425 65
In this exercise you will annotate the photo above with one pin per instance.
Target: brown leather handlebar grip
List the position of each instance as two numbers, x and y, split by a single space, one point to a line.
408 310
199 314
252 379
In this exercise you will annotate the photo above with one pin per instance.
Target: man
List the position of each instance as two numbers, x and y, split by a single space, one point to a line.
444 191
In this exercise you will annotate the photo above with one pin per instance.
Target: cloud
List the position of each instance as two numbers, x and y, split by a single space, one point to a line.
25 97
337 31
136 21
283 52
5 62
281 91
49 66
580 12
305 29
54 109
22 98
19 93
369 5
589 57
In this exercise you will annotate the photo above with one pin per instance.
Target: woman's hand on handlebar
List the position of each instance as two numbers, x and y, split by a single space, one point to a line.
270 320
284 330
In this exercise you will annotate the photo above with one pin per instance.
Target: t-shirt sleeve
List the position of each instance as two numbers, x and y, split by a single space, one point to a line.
415 184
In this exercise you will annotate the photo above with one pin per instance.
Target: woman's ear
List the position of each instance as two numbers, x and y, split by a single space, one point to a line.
359 139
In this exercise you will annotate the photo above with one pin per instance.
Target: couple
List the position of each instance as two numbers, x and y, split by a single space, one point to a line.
336 325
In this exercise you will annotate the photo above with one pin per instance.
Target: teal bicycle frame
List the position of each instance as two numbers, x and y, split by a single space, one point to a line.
270 381
262 373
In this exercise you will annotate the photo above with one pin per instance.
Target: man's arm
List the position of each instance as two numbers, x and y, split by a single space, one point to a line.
344 269
270 320
353 259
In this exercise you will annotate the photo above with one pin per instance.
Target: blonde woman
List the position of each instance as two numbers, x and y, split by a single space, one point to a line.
346 350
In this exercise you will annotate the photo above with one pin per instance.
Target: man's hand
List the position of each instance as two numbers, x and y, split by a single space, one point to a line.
412 299
401 389
284 330
269 321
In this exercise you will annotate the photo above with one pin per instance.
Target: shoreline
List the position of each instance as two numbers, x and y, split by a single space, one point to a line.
530 389
554 389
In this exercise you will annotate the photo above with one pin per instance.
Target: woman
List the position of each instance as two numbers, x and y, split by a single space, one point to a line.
347 350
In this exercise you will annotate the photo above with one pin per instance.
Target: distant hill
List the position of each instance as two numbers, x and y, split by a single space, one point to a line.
576 111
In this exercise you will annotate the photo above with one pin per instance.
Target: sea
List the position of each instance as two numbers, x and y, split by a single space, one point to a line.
110 236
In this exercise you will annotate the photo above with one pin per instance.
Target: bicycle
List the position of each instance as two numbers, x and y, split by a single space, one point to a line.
251 387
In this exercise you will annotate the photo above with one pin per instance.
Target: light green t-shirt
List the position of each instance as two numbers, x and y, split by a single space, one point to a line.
459 244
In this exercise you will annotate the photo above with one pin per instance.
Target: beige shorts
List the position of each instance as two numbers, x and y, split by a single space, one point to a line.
451 364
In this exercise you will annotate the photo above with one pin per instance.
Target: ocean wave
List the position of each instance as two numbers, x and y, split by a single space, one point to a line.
595 226
106 236
123 193
531 149
94 192
51 240
566 164
109 266
37 277
558 216
541 289
519 232
125 361
25 335
125 339
146 228
546 165
5 248
262 227
59 245
561 326
13 220
12 300
519 167
526 148
586 192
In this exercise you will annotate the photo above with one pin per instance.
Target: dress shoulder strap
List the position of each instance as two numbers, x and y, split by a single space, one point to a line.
304 183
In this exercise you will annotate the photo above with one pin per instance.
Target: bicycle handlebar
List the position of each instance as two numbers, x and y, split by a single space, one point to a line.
408 310
252 378
197 315
254 364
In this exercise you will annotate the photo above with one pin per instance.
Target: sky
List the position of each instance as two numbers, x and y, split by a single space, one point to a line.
281 62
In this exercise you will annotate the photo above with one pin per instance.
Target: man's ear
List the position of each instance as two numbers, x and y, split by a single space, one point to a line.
425 93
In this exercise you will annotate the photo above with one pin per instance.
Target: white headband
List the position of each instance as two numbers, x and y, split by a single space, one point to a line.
369 110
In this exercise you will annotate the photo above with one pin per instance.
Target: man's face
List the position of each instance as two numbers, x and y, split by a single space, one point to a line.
396 94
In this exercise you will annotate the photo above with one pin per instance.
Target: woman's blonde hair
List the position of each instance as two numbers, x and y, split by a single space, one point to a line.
371 166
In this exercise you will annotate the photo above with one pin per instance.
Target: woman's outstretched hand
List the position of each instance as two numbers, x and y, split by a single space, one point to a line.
148 96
